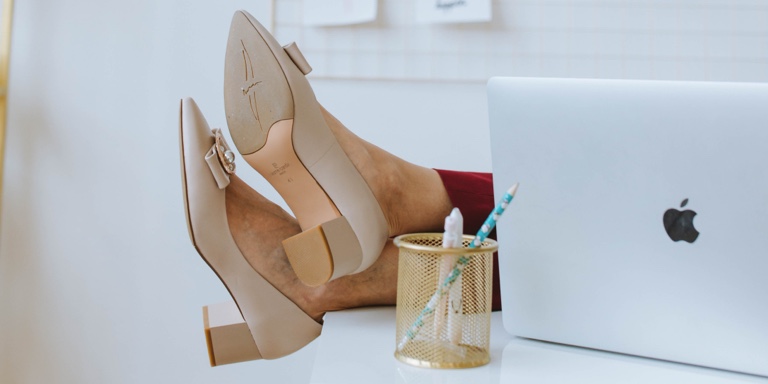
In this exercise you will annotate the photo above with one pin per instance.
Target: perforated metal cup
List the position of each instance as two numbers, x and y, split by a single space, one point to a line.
457 333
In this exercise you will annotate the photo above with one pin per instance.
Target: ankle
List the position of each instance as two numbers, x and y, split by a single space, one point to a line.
310 301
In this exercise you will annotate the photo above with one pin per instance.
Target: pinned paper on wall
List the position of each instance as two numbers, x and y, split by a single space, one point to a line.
453 11
338 12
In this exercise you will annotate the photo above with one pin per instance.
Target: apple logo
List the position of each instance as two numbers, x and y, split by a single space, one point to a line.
679 224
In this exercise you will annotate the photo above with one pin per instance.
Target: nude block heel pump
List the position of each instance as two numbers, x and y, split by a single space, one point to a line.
276 326
278 127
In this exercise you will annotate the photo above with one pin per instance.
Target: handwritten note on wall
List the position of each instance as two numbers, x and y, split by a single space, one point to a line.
338 12
453 11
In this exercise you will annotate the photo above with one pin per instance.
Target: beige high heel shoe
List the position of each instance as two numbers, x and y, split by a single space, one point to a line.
277 125
277 326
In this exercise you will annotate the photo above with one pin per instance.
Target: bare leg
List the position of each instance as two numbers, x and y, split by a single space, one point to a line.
377 285
412 197
259 226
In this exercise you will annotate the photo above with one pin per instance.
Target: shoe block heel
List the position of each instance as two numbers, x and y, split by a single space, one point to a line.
227 336
323 253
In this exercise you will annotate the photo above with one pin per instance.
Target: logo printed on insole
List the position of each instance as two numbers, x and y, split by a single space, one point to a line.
279 169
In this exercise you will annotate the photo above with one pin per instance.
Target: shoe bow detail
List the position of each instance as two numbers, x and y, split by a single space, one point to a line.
297 57
220 159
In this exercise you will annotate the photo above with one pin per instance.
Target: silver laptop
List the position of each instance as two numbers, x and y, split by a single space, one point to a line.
641 222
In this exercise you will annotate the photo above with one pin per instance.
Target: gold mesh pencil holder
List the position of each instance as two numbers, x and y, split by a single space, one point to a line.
452 329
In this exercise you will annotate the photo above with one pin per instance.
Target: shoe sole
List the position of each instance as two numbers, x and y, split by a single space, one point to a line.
276 124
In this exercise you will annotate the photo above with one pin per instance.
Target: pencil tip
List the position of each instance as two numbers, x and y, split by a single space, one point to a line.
513 189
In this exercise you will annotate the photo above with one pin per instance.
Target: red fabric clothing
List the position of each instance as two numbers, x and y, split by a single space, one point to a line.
472 193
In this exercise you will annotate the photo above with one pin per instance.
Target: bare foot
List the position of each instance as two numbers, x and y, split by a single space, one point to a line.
259 226
412 197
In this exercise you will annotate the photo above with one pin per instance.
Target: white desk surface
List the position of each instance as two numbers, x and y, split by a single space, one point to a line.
357 346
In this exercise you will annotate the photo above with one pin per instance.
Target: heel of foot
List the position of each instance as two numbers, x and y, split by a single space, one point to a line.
227 335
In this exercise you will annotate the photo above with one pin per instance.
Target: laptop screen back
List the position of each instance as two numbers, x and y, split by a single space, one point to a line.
641 222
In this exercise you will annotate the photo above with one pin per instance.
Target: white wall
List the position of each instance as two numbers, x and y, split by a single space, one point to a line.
722 40
98 280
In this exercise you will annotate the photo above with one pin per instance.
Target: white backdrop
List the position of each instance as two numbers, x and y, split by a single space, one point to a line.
99 282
